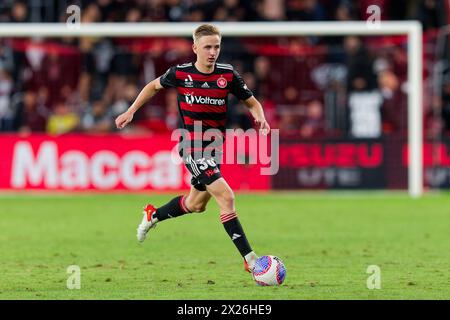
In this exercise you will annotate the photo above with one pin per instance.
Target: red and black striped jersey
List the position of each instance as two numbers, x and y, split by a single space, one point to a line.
204 97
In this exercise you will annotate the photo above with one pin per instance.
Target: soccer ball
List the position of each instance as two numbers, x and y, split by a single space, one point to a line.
269 271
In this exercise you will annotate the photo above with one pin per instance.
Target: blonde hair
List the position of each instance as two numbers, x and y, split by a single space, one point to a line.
205 30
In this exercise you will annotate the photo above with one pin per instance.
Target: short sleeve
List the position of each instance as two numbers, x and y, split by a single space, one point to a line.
239 88
168 79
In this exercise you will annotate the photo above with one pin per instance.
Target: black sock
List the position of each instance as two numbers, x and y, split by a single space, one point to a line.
234 229
174 208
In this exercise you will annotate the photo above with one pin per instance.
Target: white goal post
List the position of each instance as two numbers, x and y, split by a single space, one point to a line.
412 29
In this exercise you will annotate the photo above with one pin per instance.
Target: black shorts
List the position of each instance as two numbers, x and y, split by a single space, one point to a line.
204 171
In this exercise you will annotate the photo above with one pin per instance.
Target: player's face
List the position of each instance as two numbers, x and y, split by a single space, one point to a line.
207 49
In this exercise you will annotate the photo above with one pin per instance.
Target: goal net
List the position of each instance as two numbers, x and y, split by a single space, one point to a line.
346 97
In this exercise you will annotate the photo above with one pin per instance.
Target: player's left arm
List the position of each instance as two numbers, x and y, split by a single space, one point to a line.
257 112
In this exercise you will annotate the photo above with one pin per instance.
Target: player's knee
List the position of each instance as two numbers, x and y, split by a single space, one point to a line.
195 206
228 197
198 208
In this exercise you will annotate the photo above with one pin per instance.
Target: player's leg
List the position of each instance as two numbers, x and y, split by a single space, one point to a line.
152 215
224 196
195 201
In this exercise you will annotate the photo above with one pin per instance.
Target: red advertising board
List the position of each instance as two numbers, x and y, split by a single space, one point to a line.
130 163
104 163
358 164
330 165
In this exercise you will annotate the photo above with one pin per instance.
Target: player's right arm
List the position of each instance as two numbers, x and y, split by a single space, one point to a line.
145 95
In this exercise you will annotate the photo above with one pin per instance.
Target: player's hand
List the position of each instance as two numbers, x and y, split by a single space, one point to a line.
124 119
264 127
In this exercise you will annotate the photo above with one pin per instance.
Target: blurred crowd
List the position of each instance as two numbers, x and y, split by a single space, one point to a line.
429 12
309 86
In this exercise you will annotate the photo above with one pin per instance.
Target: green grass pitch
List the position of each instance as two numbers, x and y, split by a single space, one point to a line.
326 240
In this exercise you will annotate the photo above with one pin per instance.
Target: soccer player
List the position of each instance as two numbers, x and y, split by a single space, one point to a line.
202 89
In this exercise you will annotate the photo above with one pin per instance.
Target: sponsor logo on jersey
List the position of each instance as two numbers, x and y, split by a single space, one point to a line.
191 99
222 82
205 85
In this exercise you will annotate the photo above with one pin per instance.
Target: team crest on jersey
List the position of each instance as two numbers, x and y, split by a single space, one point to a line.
222 82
